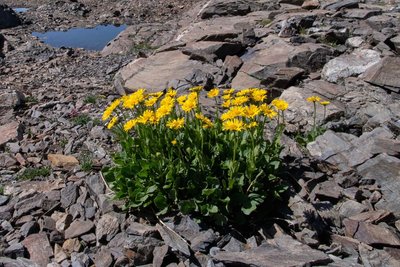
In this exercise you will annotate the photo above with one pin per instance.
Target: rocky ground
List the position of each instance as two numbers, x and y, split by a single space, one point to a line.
342 208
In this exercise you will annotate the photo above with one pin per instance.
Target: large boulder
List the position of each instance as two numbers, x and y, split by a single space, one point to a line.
273 56
8 18
350 64
161 71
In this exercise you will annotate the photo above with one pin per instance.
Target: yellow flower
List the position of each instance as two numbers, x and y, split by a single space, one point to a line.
167 101
163 111
207 123
190 103
112 122
280 104
196 89
251 111
324 103
157 94
147 116
232 113
109 110
240 100
181 99
213 93
176 123
233 125
171 93
130 124
252 125
174 142
259 95
130 101
267 111
243 92
229 91
227 97
227 104
151 101
313 98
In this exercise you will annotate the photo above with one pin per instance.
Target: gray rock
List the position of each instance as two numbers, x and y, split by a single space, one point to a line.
69 194
172 239
140 229
350 208
78 228
225 8
95 185
281 251
370 234
10 132
386 170
39 248
336 5
373 217
385 74
166 71
3 200
103 257
19 262
106 228
350 65
13 99
328 190
375 257
159 255
361 13
14 251
396 43
29 228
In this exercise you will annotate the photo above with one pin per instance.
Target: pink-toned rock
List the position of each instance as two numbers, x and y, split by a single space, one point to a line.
310 4
39 248
62 161
10 131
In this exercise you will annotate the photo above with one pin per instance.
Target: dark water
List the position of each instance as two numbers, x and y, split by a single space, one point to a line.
87 38
20 9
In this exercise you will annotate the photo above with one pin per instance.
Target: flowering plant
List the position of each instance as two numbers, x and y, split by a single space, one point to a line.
316 130
175 156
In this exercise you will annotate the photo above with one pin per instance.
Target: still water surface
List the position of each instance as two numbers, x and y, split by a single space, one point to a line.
87 38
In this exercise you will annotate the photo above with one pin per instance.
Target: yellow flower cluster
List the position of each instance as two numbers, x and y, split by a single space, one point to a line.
243 109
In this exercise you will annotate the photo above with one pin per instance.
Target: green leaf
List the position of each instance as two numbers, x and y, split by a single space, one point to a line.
161 202
187 206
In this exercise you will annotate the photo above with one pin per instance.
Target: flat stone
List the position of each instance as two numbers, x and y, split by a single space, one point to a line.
281 251
14 251
62 161
173 240
103 257
78 228
3 200
19 262
328 190
106 228
6 160
310 4
225 8
370 234
350 65
350 208
336 5
135 228
385 74
386 171
376 257
396 43
71 245
39 248
159 71
12 99
374 217
356 13
159 255
29 228
59 254
69 195
10 132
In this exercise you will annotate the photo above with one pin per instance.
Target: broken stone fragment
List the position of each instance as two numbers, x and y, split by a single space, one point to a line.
62 161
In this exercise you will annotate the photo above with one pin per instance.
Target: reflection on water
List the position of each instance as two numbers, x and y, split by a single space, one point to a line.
20 9
87 38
